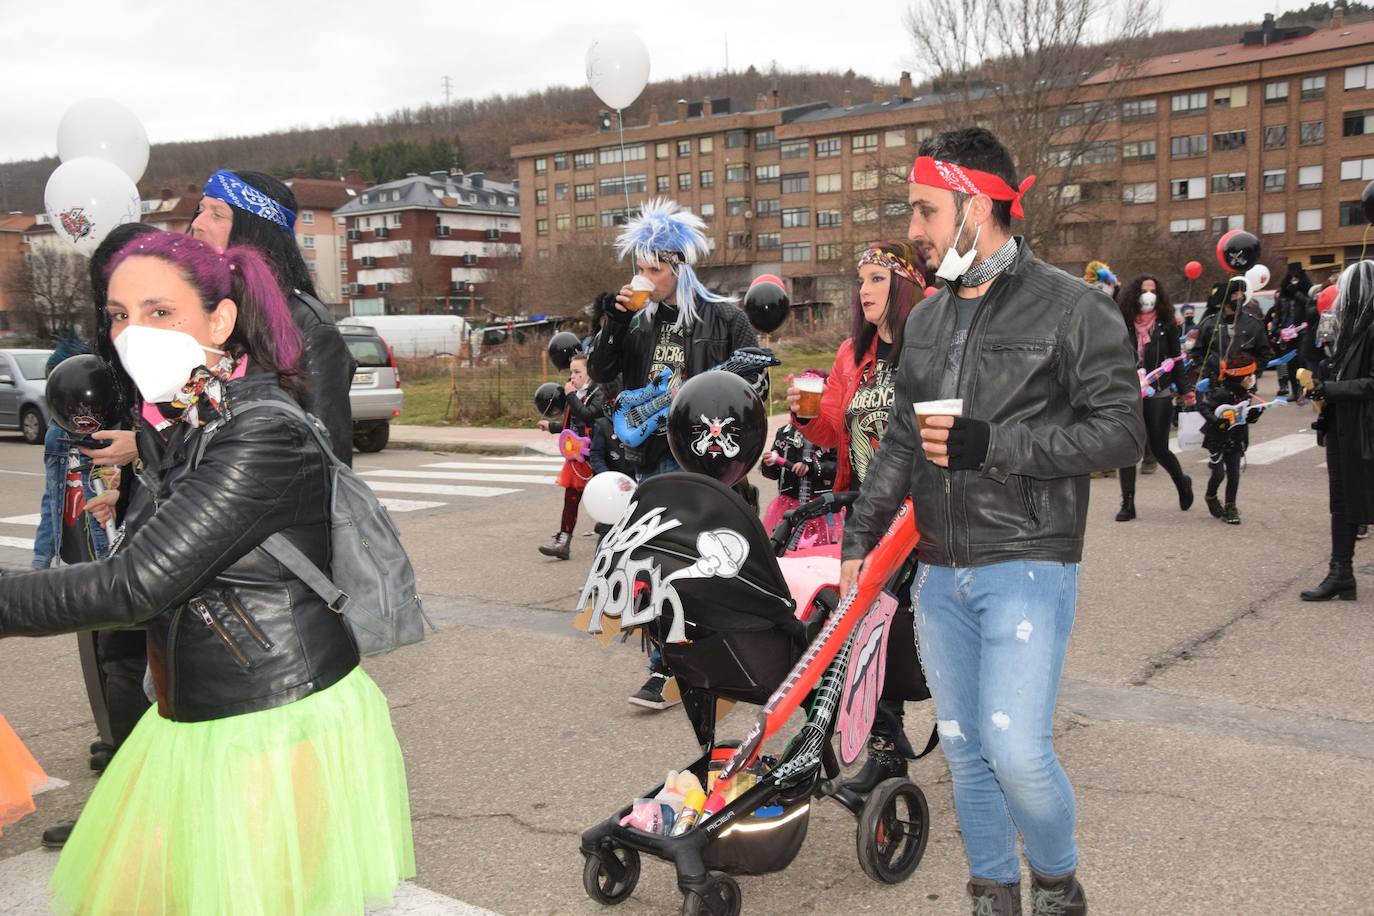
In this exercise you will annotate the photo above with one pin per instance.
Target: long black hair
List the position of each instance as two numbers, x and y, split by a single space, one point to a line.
100 286
1130 301
276 244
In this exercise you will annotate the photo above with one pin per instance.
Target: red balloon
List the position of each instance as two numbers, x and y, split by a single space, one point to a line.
1192 270
1327 298
1221 251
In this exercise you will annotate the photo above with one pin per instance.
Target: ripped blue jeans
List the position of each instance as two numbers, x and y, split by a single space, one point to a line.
992 641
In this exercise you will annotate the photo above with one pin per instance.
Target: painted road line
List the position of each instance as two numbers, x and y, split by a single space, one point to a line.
436 489
23 473
20 543
21 520
407 505
464 475
1280 448
473 466
52 785
527 459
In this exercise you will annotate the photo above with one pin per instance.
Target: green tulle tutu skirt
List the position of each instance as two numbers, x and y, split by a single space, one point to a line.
301 809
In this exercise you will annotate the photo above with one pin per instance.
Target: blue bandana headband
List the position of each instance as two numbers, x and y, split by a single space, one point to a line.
226 186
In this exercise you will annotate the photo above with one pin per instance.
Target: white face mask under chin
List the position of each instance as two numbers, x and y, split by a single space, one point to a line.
160 361
954 265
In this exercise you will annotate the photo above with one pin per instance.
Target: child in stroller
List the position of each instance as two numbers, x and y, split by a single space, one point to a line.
733 626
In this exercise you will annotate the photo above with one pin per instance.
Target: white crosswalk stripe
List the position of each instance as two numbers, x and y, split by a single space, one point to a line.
436 489
527 459
393 504
464 475
20 543
478 466
31 520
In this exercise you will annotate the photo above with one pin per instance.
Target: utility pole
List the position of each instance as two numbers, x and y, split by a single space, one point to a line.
448 90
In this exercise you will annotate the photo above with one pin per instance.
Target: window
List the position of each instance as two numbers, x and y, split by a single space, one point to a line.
1188 103
1230 97
707 178
767 206
1139 109
829 252
765 139
611 155
863 143
586 221
1312 133
612 218
1273 223
584 192
796 251
1141 192
1276 137
796 217
1313 87
1275 180
662 184
1224 224
827 147
1361 77
1228 182
1228 140
684 181
1309 176
660 151
1188 147
828 219
739 240
1098 153
863 179
737 172
768 240
1275 93
735 206
707 212
584 160
1187 188
765 173
734 139
894 138
560 162
560 191
1139 151
795 149
1071 234
632 184
1357 123
1182 226
1070 194
541 196
684 147
308 217
541 166
799 182
863 215
307 241
1357 169
541 227
1352 213
560 222
1309 220
706 145
825 184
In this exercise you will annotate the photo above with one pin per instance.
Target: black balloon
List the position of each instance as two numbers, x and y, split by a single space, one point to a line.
767 304
562 348
549 399
83 395
1367 202
1240 251
717 426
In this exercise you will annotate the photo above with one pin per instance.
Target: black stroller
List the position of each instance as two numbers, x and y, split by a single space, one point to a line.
704 557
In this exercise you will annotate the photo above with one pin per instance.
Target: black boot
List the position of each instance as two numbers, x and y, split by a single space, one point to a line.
1214 506
1185 493
1062 896
1339 583
1232 514
56 837
993 899
560 547
1127 509
884 762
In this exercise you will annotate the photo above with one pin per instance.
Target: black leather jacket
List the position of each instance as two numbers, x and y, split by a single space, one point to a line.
1046 365
1218 338
326 369
229 630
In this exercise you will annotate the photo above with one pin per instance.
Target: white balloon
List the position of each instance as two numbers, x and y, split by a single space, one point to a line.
107 130
607 495
1257 278
618 67
86 198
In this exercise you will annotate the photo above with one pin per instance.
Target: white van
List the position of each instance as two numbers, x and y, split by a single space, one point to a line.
415 335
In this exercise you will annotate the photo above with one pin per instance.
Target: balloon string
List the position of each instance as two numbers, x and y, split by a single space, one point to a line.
1364 243
624 172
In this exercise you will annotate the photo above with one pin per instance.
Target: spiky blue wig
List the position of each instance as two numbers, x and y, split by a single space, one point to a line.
665 232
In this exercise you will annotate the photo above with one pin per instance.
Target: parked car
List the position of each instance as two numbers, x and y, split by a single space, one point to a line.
375 396
23 380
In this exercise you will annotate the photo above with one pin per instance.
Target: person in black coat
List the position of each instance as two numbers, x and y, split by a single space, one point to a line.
1345 384
1227 418
1228 331
585 403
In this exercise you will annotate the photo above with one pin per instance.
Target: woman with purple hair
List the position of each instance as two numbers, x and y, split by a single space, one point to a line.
268 778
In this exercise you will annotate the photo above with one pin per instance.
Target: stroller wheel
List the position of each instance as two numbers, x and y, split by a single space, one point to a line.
720 897
893 828
609 875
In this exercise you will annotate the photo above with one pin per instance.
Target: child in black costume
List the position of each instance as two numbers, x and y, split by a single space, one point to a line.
1226 432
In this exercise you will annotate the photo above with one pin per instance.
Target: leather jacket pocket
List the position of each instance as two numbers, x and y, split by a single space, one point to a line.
1028 500
201 608
233 626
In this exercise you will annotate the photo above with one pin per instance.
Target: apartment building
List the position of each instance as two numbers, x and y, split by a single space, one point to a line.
424 243
322 236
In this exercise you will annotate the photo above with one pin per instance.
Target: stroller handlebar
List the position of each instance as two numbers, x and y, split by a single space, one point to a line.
826 504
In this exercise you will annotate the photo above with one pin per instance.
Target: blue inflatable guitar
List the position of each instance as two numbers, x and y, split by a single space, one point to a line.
639 413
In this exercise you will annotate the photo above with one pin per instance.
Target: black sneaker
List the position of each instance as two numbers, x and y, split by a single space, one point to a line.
650 696
56 837
1232 514
1214 506
1361 532
1148 465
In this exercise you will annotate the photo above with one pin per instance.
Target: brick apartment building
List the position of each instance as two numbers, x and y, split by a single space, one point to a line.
423 244
1274 133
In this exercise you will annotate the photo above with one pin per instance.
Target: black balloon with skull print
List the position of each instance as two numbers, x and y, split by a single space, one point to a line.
717 426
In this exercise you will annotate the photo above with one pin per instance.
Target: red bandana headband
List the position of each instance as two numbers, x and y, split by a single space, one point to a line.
931 171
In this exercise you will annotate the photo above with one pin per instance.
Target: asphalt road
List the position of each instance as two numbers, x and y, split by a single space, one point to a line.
1218 731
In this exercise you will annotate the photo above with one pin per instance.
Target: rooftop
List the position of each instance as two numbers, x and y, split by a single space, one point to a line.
324 193
437 191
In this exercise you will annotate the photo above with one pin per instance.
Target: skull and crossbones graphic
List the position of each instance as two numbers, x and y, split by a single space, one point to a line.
714 437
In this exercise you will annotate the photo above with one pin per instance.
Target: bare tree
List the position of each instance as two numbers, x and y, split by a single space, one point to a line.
50 291
1022 69
560 284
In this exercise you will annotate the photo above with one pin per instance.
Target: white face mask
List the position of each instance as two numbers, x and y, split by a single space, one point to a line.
159 361
954 265
1147 301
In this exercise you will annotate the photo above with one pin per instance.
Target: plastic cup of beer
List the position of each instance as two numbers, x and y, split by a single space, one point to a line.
949 407
809 388
641 286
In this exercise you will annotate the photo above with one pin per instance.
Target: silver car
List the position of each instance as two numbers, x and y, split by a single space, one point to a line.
376 396
23 380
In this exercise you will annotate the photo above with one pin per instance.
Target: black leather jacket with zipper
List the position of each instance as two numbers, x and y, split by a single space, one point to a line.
1046 365
230 631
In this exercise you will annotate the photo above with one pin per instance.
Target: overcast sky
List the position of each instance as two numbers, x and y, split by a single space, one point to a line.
198 70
